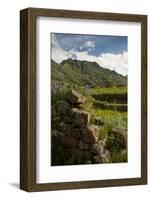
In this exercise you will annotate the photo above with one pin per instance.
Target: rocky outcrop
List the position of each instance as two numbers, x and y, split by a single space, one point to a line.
75 98
81 118
120 138
63 107
74 132
100 153
75 139
114 145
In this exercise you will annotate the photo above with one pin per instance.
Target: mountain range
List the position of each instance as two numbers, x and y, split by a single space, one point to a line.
85 73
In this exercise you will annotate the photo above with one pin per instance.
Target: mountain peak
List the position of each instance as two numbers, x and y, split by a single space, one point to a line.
74 61
86 73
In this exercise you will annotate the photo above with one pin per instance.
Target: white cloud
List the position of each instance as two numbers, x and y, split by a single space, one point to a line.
89 44
117 62
58 54
81 48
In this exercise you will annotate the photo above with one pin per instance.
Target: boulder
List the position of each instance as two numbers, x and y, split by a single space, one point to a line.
83 146
86 155
76 132
62 126
67 119
73 111
82 118
78 154
90 134
66 129
116 140
74 97
101 154
69 141
123 132
63 107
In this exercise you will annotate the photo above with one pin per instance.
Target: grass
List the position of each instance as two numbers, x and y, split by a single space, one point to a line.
109 118
113 104
110 90
58 96
118 157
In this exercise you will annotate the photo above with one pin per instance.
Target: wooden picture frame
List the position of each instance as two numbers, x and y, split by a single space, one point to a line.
28 98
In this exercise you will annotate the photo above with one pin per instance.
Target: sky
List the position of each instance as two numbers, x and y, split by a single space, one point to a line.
110 52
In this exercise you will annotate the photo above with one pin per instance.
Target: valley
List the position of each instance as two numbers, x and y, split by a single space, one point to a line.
105 93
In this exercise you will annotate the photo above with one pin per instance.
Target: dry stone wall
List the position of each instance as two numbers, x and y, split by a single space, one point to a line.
74 139
74 133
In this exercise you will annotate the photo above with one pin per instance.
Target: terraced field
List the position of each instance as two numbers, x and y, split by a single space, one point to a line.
108 104
108 110
108 107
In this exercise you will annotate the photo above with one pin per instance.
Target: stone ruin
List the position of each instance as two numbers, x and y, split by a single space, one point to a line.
74 139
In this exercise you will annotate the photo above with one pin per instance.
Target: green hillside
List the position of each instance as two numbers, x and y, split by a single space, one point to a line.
87 74
105 94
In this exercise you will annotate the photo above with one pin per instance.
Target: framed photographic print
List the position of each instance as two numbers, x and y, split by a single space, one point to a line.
83 92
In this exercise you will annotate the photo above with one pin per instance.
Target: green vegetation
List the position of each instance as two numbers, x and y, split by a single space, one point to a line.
109 90
112 117
119 157
86 74
58 96
106 101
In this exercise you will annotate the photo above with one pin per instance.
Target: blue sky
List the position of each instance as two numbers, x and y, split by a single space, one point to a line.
97 44
108 51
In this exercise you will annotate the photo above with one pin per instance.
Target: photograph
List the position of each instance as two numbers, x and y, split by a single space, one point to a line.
89 99
83 99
